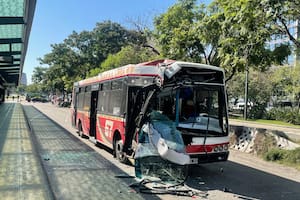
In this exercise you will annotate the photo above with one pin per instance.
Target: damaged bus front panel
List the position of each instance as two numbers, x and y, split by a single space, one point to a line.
194 98
188 112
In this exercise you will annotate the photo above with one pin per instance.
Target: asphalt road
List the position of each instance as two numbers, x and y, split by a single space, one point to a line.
243 176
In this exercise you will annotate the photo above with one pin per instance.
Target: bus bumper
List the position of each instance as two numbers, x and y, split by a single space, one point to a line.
209 157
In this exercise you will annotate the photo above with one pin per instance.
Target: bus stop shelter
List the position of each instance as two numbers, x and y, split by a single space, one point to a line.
16 18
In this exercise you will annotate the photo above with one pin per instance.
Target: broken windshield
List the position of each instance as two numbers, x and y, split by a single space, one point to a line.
199 109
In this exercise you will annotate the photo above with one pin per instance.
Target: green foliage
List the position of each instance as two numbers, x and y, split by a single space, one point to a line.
275 154
81 54
279 14
259 91
230 34
288 157
244 35
110 38
286 83
288 115
128 55
177 34
38 74
257 111
259 88
280 54
236 86
34 88
263 142
293 156
21 89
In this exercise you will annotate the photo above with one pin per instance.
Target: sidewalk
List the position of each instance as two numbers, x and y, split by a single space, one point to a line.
74 170
21 174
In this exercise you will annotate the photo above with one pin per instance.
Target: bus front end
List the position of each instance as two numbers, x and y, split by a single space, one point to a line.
194 97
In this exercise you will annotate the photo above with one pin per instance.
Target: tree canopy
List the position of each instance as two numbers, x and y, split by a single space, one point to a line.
80 55
229 34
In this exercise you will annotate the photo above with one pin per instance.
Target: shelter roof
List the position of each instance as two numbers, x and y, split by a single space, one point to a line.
16 18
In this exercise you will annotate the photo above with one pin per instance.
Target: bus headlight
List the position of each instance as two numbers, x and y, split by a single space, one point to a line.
220 148
225 147
216 149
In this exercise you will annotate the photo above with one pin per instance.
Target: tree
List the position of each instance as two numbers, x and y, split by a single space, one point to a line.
62 62
286 83
279 15
177 34
34 89
245 32
227 33
38 74
81 54
21 89
259 92
131 54
110 38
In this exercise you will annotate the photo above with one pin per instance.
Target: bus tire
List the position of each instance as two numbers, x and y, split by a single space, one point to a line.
118 151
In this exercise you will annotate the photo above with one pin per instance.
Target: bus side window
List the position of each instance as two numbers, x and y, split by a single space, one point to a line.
103 101
87 99
80 99
104 97
116 98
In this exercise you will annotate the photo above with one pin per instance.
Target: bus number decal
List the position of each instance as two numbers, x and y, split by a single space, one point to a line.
108 128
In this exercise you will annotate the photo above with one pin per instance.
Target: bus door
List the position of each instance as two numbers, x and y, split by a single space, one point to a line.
75 106
138 101
93 113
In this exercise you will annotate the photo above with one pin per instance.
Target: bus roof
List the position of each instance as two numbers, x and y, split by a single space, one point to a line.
151 68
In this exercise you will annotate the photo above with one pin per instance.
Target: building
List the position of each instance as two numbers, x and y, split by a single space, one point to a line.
24 79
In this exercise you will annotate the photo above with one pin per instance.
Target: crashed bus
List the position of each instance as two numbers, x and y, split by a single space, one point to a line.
176 109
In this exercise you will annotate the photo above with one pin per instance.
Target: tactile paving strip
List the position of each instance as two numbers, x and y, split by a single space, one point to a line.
21 174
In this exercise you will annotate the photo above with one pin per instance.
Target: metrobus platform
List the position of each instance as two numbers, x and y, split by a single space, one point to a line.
40 160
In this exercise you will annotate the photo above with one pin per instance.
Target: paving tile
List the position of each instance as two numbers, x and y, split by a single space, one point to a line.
21 174
75 171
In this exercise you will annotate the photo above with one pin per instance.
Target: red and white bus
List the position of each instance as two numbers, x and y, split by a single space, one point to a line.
111 107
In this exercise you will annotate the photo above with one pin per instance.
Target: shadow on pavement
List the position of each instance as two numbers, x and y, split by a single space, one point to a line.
242 181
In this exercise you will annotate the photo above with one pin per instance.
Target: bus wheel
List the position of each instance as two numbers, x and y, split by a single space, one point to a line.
118 151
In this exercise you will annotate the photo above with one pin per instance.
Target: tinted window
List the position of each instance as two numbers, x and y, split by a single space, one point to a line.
87 101
103 101
116 85
106 86
80 99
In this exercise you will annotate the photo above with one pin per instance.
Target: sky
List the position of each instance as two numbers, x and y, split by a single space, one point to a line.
55 20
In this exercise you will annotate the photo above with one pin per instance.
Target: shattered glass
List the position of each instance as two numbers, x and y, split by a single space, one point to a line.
149 161
155 166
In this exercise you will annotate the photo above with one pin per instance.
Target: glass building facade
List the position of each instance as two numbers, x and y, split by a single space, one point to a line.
276 40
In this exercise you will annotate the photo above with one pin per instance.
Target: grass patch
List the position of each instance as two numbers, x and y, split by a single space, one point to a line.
270 122
286 157
275 122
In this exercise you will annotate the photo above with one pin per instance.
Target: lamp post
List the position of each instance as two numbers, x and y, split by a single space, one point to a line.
247 51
